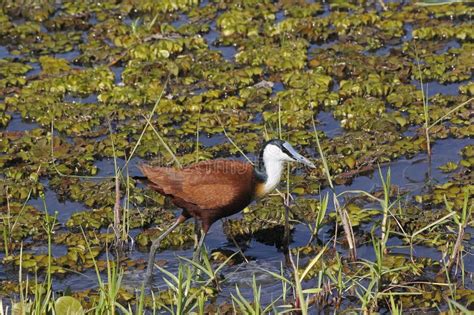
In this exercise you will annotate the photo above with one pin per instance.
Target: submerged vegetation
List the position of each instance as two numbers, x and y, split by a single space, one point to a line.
379 95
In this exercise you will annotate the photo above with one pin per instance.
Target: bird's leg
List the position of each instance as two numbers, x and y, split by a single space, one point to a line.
197 251
156 244
197 232
286 234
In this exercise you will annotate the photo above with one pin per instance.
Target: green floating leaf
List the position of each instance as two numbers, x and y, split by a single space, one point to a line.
67 305
448 167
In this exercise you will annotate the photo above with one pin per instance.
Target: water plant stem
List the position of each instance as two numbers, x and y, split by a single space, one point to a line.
345 220
150 116
117 221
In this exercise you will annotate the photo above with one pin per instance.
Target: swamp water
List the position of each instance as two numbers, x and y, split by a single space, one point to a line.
92 72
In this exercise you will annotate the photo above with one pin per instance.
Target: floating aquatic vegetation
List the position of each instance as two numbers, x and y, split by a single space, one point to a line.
356 114
290 55
461 32
452 66
467 89
452 191
20 191
311 28
182 237
468 156
448 167
91 72
4 119
20 222
358 215
13 73
38 11
103 218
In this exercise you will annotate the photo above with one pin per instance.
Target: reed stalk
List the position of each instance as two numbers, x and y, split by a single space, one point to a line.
343 214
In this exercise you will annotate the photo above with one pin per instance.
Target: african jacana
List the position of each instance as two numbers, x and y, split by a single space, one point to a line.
215 189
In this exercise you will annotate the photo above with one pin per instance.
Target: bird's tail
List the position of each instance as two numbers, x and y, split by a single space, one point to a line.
141 179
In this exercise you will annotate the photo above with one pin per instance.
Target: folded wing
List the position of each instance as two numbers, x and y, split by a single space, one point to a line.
210 185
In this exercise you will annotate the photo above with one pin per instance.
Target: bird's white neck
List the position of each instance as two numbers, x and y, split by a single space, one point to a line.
271 164
273 169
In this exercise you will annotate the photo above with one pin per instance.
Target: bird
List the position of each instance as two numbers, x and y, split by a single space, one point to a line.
214 189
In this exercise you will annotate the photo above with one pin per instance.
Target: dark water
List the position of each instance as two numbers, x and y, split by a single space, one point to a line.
64 209
36 69
70 56
329 125
18 124
432 88
84 100
228 52
4 53
118 74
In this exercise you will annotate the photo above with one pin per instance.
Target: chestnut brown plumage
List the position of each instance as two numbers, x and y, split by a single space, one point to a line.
207 190
215 189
